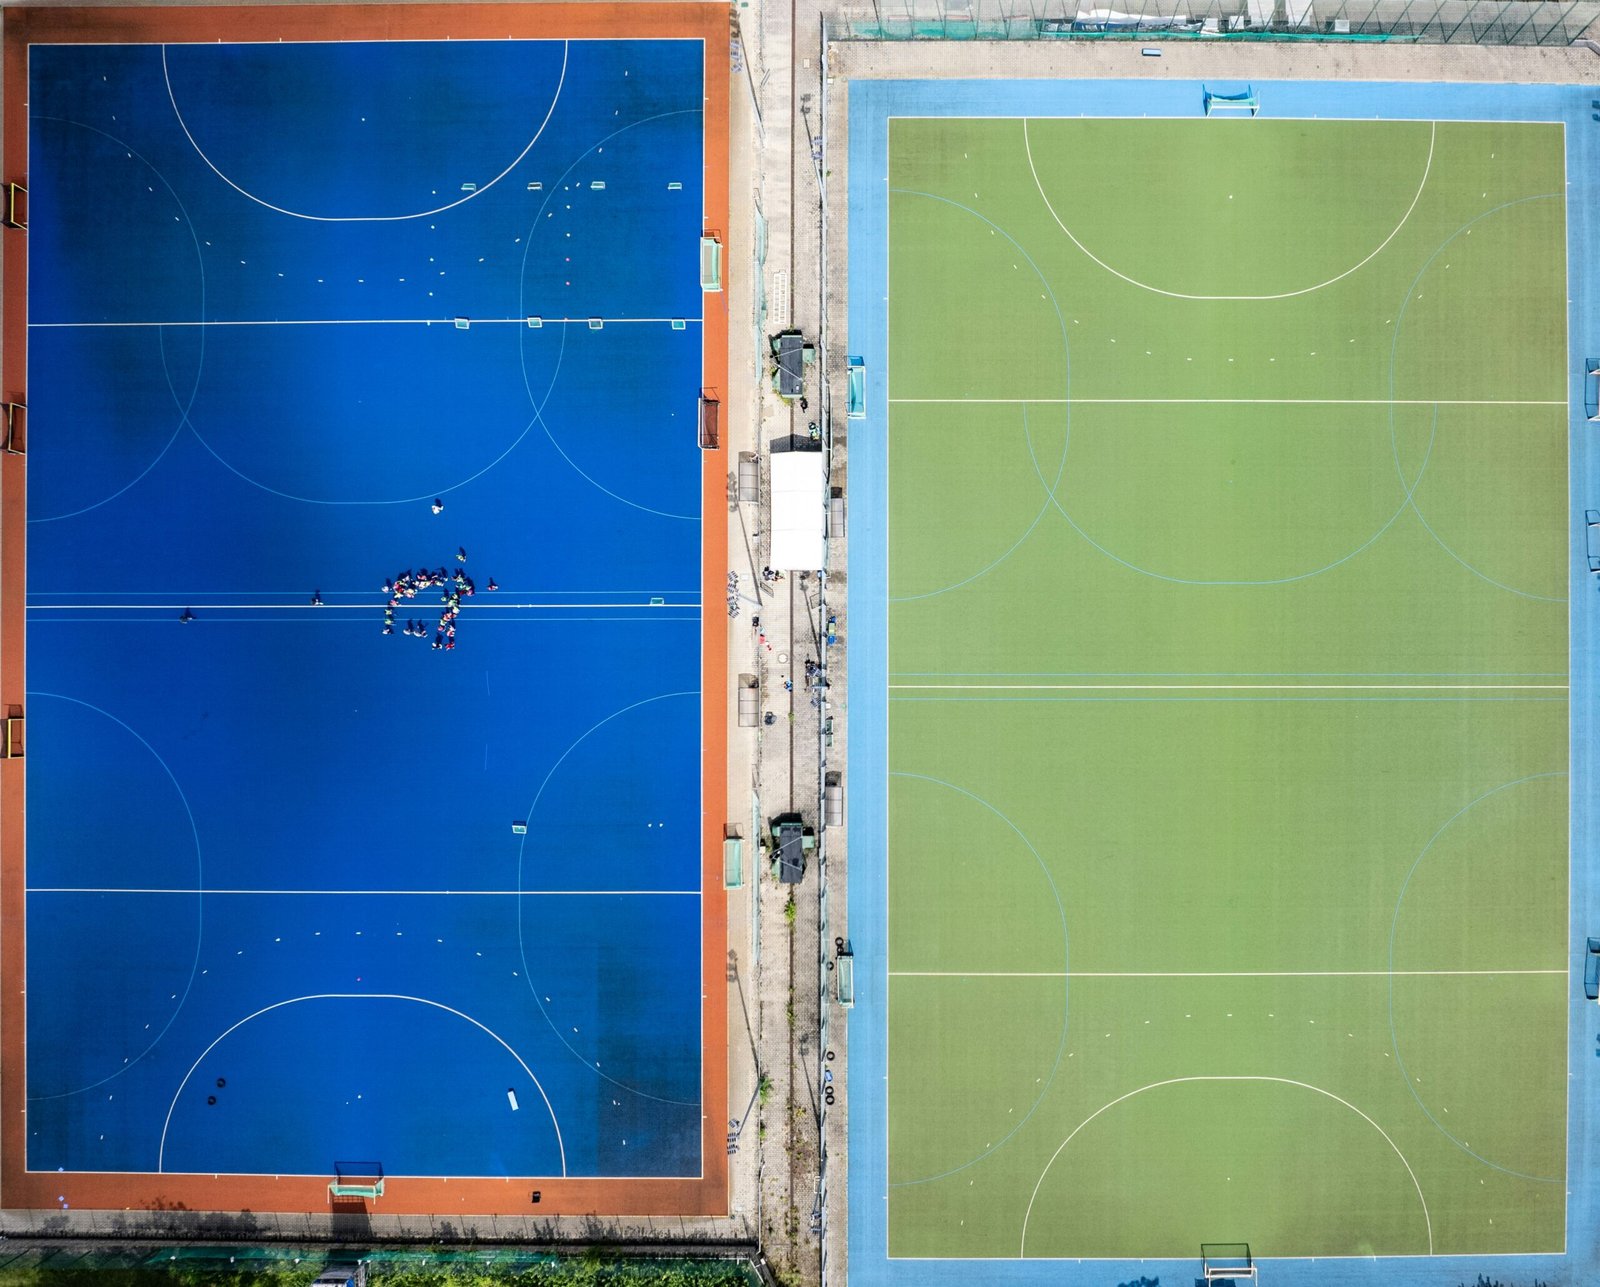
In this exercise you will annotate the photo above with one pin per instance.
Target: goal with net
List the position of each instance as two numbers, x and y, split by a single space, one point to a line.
1244 101
1224 1262
357 1180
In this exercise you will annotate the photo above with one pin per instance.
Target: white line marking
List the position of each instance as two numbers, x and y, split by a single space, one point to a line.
1228 674
1433 134
522 859
420 606
199 910
1199 123
1245 402
1022 1250
161 1151
166 76
1566 347
324 1177
386 893
369 321
1220 687
299 596
1195 974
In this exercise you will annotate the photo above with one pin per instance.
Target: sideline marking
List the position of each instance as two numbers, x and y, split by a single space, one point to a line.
592 1065
1394 930
199 917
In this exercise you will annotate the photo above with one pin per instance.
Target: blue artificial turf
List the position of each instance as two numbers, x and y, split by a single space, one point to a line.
342 926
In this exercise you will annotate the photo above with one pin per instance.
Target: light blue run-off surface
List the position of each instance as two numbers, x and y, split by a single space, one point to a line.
872 105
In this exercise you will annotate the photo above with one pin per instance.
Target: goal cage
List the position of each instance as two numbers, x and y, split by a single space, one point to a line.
1223 1262
357 1180
1244 102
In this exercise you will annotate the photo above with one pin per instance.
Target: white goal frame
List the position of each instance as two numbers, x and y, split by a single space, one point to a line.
1227 1262
1247 103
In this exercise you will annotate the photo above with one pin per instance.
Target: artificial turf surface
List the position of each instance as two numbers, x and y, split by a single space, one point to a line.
1228 663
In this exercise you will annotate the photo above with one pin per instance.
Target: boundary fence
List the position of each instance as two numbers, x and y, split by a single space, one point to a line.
1437 22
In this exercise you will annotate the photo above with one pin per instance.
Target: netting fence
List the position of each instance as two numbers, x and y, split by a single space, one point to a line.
1439 22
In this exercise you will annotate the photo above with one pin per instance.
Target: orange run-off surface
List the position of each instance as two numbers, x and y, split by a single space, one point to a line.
19 1188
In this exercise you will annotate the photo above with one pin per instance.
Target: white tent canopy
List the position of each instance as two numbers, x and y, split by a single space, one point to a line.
799 506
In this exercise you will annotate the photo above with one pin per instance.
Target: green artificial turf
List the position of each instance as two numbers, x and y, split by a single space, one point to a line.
1228 663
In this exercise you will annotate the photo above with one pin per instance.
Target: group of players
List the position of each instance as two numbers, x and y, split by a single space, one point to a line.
456 587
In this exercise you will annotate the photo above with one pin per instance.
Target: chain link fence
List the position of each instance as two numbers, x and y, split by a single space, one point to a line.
1440 22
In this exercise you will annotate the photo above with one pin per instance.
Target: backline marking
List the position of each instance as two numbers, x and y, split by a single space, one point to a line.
1275 402
1193 974
388 893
